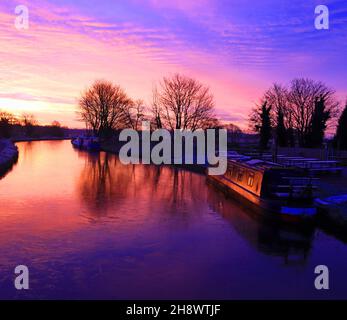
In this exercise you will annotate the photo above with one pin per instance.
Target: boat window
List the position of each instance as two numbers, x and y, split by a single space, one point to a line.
250 180
234 172
240 175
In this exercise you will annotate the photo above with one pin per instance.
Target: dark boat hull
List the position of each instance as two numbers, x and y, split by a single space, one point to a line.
85 146
272 208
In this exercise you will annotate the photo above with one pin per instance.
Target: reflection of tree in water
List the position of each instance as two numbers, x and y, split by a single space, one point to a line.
26 150
98 185
292 242
30 151
106 186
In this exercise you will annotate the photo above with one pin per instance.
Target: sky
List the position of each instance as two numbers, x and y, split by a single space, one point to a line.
236 47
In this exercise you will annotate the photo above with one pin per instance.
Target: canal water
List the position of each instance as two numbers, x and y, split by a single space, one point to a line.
88 226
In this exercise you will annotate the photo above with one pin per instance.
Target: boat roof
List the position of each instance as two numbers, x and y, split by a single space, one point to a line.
254 164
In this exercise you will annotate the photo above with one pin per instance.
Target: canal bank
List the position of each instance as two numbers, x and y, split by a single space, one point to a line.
47 138
8 155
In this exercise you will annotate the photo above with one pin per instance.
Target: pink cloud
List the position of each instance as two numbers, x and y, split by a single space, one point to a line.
183 5
63 52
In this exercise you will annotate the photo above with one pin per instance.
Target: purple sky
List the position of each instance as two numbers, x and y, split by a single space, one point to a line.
238 48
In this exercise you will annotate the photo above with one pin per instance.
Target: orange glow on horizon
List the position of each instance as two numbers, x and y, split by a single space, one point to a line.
49 66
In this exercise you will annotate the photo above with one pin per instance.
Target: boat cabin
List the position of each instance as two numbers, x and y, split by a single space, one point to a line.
269 180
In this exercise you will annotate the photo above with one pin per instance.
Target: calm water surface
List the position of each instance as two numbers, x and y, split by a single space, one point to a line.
89 227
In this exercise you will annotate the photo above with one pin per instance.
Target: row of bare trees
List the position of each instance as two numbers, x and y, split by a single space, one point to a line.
26 125
179 102
299 112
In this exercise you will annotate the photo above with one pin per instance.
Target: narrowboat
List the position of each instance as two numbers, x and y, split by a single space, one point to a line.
287 192
86 143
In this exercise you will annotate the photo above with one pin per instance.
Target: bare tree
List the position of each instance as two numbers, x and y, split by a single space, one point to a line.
281 115
135 114
103 107
29 122
302 97
139 113
55 129
292 109
8 117
276 97
28 119
56 123
156 110
184 103
7 120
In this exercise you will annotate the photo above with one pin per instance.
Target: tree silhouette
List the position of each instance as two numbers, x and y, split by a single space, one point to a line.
341 132
156 110
277 97
55 129
7 120
302 98
29 122
295 113
103 107
281 131
318 124
135 114
181 102
265 129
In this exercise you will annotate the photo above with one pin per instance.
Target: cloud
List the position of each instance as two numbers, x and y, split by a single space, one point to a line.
236 47
29 97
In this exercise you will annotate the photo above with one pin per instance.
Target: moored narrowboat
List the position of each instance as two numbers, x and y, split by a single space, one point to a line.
288 192
86 143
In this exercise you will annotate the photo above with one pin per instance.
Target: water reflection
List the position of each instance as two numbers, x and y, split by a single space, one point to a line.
105 186
292 242
90 227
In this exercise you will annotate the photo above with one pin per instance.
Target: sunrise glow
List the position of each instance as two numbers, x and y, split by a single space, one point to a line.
238 48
